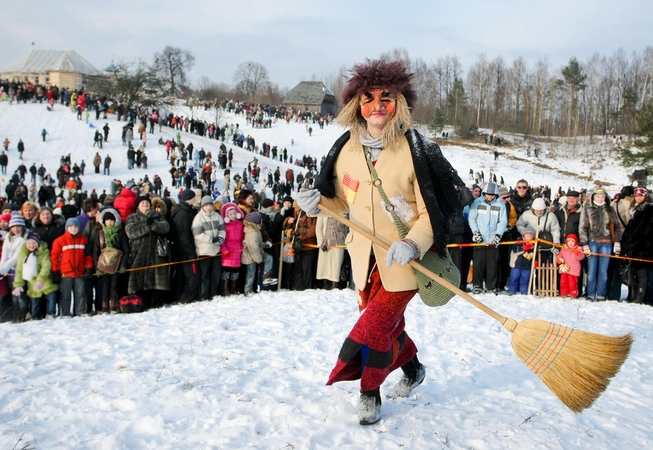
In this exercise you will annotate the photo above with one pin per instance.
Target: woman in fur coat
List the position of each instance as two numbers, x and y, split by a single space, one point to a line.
637 243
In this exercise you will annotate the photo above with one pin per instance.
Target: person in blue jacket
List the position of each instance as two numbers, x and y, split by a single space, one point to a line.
488 221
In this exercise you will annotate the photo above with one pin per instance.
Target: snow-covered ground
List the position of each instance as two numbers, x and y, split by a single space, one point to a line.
249 372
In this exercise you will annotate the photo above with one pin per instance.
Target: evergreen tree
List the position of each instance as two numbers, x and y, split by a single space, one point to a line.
438 121
642 155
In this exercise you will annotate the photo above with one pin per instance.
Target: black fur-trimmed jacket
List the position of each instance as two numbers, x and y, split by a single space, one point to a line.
636 241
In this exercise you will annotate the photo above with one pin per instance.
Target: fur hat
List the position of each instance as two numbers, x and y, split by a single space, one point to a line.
69 211
187 194
228 207
16 221
392 75
639 191
267 203
538 204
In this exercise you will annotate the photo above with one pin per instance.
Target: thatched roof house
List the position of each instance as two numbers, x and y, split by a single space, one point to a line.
311 96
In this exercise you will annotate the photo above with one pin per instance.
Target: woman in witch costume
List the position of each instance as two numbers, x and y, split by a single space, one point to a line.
422 187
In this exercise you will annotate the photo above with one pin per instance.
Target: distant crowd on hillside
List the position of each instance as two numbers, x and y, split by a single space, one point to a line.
208 242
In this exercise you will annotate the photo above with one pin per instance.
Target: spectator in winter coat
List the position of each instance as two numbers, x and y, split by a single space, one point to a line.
209 233
637 243
569 260
522 198
182 217
568 215
521 256
541 220
48 226
488 221
600 233
144 228
97 160
253 253
108 232
330 236
124 203
33 269
70 267
232 247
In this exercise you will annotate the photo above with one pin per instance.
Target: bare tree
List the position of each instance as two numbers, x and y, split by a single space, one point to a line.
249 77
171 66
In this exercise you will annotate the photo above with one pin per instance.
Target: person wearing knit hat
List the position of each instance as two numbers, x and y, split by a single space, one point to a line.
206 200
521 257
569 265
209 233
32 279
187 194
31 235
4 221
377 100
599 232
182 222
142 198
639 192
547 228
16 221
253 253
232 247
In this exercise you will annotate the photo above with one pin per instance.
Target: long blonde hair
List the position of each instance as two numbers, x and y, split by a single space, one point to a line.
350 117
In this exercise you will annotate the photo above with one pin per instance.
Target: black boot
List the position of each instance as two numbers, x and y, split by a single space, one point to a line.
639 294
225 286
369 411
233 286
414 374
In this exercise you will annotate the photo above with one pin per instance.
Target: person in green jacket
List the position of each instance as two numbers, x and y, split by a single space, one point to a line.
33 268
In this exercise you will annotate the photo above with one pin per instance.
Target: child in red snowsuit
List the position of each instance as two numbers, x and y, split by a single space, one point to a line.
569 260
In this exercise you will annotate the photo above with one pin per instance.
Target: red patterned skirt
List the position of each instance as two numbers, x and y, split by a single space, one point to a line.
377 344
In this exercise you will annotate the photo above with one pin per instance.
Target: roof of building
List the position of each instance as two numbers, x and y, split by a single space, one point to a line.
44 61
308 93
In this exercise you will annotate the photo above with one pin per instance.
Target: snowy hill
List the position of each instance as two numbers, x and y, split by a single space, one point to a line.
245 372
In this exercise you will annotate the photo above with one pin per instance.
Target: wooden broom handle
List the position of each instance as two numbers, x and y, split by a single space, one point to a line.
422 269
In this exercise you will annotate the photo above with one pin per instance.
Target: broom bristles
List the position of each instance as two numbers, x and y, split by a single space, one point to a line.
576 365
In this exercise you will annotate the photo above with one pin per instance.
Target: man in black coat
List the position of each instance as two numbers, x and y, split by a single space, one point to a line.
182 218
522 199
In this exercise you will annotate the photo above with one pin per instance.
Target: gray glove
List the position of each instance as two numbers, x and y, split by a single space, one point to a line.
308 200
477 238
400 252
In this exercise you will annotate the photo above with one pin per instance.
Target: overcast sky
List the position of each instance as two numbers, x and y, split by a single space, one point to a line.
297 39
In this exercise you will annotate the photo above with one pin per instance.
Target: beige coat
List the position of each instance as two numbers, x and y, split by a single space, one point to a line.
395 169
329 262
252 244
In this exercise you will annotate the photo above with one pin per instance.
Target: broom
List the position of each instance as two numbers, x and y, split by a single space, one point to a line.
576 365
